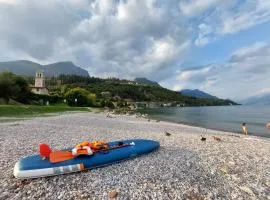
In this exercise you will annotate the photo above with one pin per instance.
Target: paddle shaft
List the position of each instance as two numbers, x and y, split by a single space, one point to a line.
113 147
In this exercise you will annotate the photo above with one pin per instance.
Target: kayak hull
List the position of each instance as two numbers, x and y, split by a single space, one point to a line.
33 166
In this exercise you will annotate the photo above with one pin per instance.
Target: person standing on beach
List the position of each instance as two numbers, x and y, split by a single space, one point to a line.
244 128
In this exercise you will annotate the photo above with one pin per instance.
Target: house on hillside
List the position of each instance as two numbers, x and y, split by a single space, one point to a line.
40 87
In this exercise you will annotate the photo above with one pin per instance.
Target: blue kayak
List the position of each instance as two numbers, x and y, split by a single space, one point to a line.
34 166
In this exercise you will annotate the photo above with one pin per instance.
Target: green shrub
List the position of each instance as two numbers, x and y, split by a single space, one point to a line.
83 97
43 98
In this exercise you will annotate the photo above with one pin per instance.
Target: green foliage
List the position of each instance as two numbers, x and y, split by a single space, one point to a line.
79 80
97 92
16 88
86 80
113 91
6 88
80 97
139 93
22 90
13 86
33 110
145 81
43 98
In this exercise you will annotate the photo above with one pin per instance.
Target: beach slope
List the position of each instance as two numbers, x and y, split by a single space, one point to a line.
183 168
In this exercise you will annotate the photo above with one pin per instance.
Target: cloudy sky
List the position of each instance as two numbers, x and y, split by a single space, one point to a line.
221 47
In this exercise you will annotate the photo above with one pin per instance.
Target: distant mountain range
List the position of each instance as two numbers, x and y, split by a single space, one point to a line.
28 68
258 100
197 93
146 81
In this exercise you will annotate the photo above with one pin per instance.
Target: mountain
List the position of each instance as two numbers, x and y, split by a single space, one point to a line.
28 68
145 81
258 100
197 93
56 69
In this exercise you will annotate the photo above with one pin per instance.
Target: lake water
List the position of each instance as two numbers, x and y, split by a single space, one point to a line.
225 118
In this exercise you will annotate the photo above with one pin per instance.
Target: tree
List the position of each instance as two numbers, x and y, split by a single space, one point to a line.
80 97
13 86
6 86
21 89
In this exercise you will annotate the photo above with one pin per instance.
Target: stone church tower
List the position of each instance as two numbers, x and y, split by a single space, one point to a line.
40 79
40 87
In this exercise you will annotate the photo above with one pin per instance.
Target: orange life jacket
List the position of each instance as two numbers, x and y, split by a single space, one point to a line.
96 145
83 144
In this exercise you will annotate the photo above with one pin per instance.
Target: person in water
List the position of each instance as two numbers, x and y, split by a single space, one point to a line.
244 128
268 125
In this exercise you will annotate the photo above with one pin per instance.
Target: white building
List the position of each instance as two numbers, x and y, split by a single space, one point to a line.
40 87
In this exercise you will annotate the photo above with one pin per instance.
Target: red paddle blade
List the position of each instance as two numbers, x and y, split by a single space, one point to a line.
44 150
60 156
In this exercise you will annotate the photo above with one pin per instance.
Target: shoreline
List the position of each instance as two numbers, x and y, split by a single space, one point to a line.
194 124
8 120
213 129
153 118
184 167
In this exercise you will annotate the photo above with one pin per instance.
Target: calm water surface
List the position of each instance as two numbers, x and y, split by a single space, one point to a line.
226 118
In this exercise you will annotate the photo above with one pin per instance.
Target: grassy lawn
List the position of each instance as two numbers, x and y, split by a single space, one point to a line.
32 111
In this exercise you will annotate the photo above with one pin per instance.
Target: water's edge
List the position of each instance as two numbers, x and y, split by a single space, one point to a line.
221 123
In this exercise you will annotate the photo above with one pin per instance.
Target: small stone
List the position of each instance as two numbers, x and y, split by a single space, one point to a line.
247 190
224 170
59 197
5 195
112 194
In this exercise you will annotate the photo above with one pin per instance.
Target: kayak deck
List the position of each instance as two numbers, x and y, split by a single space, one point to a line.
33 166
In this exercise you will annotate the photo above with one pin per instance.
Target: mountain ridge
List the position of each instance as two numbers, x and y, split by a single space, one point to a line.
145 81
257 100
197 93
29 68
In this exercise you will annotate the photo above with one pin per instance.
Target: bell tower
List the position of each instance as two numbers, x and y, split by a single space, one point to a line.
40 87
40 79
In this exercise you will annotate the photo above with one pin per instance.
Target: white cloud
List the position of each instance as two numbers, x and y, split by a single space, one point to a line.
125 38
204 34
244 75
8 2
196 7
209 82
227 17
139 38
195 74
205 29
253 13
262 92
256 49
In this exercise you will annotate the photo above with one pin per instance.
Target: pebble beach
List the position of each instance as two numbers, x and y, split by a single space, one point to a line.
184 167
